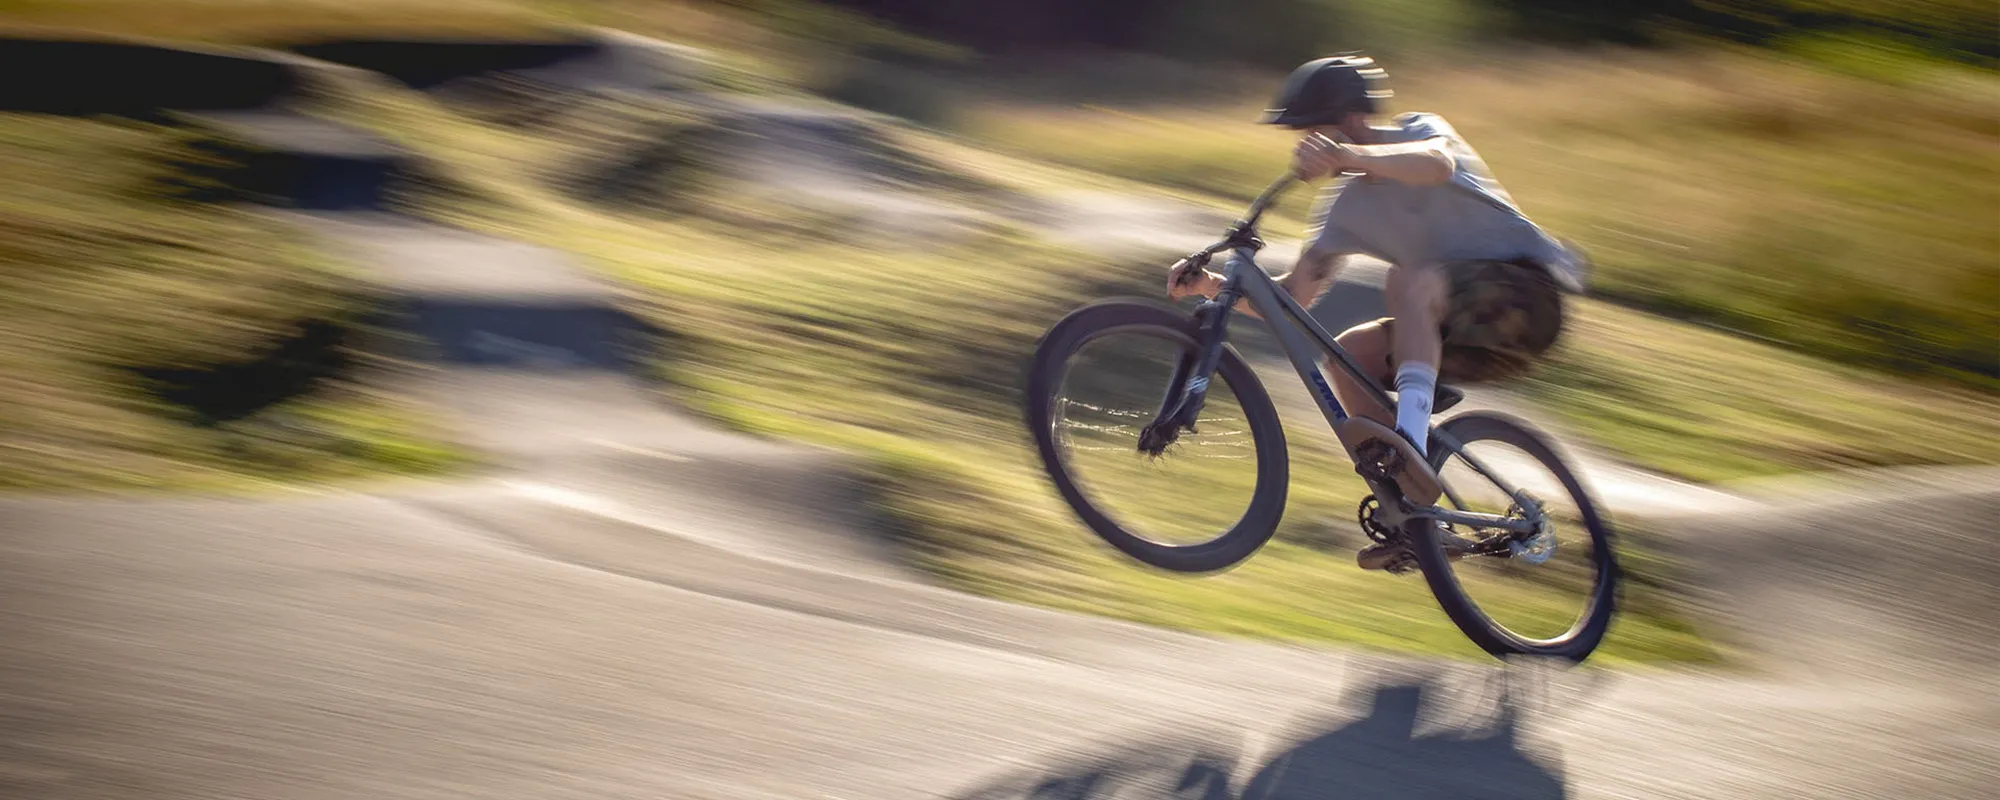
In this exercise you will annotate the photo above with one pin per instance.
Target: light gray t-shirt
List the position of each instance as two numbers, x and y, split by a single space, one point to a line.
1468 217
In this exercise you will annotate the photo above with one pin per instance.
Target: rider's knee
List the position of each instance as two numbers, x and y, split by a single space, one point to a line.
1363 335
1368 343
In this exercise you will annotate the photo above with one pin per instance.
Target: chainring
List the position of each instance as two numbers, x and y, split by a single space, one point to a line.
1366 516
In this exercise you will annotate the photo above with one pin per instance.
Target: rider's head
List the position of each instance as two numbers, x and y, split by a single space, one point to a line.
1334 95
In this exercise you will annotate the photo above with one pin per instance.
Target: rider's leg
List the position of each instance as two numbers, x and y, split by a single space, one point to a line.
1416 299
1368 345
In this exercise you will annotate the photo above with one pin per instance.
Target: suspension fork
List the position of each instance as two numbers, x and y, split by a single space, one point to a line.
1187 390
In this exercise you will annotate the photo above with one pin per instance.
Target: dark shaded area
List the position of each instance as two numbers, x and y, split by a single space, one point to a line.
1380 755
1284 32
1962 29
316 181
1272 32
117 78
285 159
494 333
226 391
425 63
658 165
585 334
1109 23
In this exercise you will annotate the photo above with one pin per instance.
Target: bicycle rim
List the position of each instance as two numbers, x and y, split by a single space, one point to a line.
1545 592
1110 388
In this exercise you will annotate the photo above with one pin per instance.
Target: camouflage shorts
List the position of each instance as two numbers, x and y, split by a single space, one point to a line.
1499 317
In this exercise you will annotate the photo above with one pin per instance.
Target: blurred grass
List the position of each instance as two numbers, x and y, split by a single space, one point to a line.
1863 248
775 43
1846 218
100 274
1707 406
790 322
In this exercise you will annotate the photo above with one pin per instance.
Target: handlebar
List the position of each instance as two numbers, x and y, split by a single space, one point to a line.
1244 231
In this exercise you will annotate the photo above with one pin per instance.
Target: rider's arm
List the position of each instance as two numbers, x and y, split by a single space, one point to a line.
1427 162
1305 282
1309 278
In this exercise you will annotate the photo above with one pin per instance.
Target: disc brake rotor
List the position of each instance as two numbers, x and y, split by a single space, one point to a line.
1537 547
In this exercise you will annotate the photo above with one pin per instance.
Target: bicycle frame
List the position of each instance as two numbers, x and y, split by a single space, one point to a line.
1291 325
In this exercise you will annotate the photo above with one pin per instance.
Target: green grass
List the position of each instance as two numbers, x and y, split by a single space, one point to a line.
1847 218
910 359
1708 406
100 273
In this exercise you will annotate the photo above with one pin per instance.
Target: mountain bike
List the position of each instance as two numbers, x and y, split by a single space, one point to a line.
1493 517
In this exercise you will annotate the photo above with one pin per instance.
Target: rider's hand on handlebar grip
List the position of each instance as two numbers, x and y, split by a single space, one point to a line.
1187 278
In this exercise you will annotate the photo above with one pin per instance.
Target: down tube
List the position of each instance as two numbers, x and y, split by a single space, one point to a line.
1302 352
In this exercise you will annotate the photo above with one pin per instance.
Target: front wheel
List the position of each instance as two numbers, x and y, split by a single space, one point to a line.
1208 501
1551 592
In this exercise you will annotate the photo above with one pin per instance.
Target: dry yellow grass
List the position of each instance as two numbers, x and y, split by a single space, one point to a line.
101 274
1849 218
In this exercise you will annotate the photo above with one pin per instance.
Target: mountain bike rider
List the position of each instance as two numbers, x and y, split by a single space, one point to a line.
1474 288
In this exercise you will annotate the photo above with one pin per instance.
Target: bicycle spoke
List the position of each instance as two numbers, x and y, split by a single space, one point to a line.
1537 583
1111 393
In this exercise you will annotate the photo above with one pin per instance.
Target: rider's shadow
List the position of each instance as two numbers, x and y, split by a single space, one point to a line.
1383 756
1391 753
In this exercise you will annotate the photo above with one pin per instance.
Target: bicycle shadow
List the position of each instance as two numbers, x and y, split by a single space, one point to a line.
1413 740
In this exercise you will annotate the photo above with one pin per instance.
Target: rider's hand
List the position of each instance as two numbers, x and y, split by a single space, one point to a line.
1316 157
1187 280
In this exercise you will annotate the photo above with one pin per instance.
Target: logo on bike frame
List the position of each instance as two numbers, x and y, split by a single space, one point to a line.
1326 392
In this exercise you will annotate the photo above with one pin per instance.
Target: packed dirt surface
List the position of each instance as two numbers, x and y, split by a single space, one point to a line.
487 641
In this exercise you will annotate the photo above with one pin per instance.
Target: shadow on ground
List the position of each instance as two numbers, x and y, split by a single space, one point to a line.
1402 739
284 369
548 332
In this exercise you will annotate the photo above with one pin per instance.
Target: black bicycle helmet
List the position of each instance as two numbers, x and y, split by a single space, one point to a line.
1323 91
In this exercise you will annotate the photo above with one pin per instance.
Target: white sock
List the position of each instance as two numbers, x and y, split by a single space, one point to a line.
1416 381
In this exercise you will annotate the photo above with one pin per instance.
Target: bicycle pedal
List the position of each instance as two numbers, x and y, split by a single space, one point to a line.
1383 454
1392 557
1379 457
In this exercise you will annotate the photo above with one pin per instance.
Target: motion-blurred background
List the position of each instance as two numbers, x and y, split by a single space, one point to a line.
852 219
623 398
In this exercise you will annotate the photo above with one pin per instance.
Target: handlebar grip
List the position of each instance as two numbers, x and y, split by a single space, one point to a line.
1185 270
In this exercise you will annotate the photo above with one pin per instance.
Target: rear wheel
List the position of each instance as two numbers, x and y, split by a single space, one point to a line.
1548 593
1206 503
